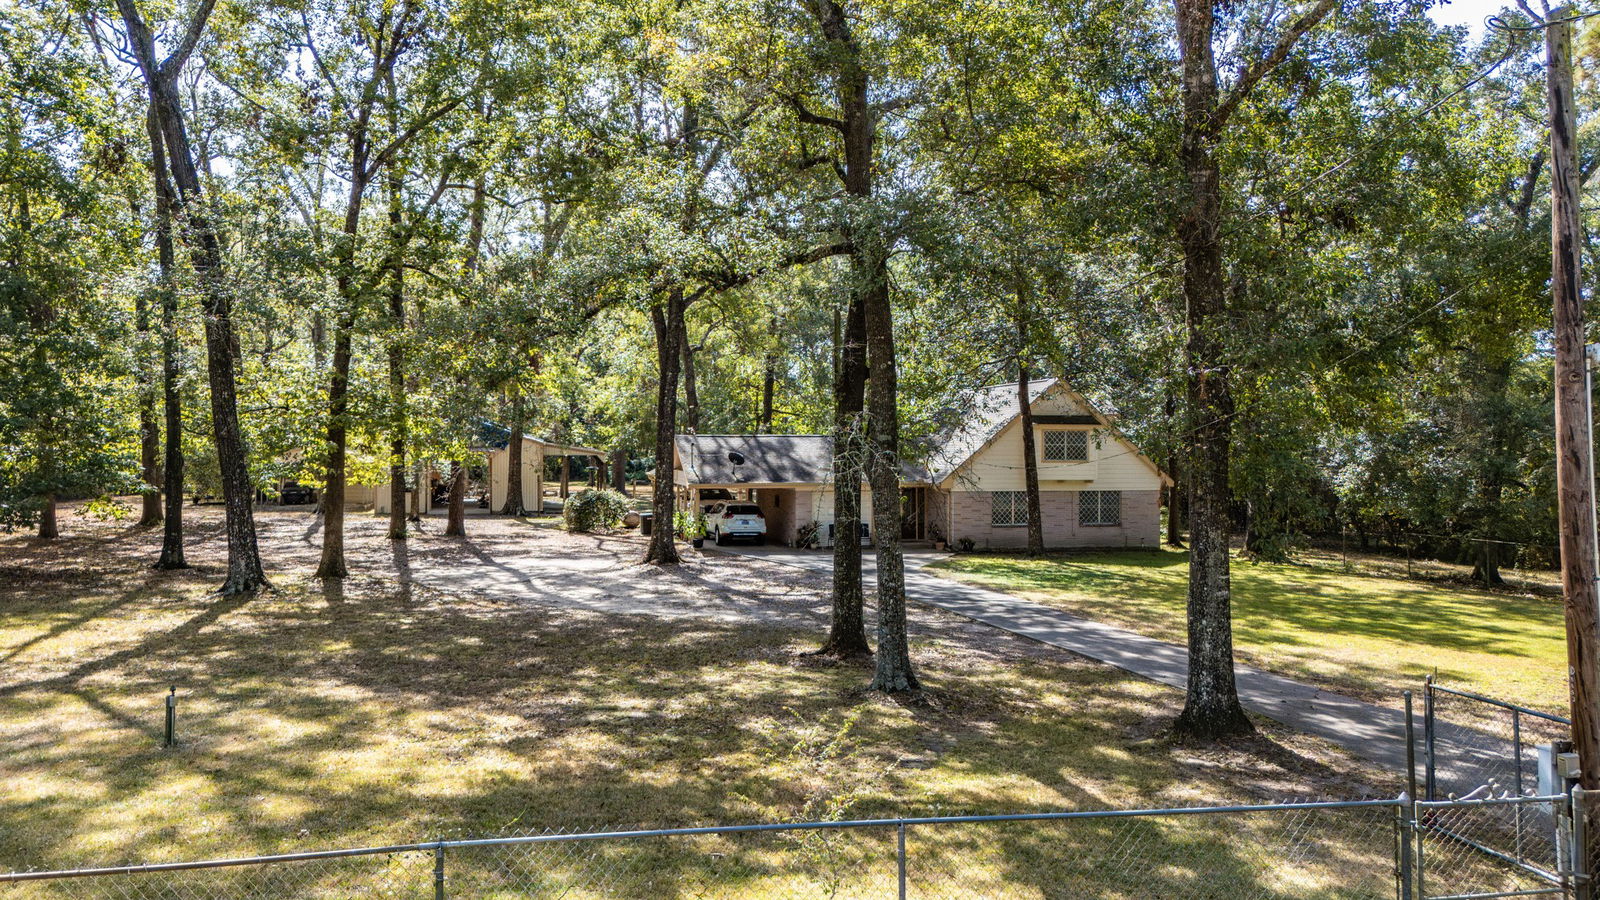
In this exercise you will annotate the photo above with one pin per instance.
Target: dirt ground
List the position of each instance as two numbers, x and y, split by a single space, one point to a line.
426 694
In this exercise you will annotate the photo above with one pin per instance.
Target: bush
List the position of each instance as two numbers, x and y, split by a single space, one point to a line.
589 510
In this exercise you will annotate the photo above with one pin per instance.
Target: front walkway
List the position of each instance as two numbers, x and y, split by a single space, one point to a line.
1373 732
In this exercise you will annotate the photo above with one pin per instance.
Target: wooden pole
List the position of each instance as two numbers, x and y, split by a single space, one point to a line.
1574 472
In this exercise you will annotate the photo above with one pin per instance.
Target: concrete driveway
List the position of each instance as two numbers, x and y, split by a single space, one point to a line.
1377 733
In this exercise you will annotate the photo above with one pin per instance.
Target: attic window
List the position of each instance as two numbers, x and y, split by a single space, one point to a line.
736 457
1066 446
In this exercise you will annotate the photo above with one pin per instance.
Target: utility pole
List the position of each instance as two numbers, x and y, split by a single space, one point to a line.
1574 436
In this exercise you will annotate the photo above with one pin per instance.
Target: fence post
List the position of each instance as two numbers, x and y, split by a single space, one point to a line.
1405 842
1582 887
1411 748
438 871
901 856
1516 749
1420 862
1427 737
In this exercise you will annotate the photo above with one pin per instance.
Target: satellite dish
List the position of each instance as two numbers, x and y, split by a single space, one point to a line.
736 457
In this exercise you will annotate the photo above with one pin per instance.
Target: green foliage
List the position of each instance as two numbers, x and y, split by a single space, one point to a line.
691 525
592 510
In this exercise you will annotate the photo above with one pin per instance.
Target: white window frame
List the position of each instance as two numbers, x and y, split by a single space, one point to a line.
1091 509
1044 445
1018 501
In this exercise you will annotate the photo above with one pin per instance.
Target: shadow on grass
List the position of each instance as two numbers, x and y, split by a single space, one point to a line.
356 714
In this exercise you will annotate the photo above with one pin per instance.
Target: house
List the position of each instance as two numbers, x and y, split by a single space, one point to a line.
1095 488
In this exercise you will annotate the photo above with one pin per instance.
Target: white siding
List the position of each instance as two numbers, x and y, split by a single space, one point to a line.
1113 465
821 506
532 477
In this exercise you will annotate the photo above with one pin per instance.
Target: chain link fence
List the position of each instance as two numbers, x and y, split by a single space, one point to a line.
1324 850
1482 830
1478 746
1504 846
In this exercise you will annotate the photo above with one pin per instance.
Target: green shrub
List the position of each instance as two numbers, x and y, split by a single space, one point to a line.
589 510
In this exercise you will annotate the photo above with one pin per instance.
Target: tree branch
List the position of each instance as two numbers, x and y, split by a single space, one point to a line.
191 37
382 157
810 118
1264 66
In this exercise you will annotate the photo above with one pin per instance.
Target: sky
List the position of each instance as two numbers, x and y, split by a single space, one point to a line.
1470 13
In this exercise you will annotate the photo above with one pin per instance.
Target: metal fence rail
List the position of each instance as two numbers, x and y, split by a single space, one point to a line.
1471 742
1494 847
1263 852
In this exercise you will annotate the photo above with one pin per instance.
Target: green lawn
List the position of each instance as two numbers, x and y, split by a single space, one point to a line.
313 718
1367 635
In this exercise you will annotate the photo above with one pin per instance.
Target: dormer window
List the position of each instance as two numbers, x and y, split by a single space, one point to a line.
1066 446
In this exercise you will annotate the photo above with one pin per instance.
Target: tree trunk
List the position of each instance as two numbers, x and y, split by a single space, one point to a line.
619 470
1173 492
691 389
397 369
667 320
1030 459
1487 567
245 573
456 515
149 431
1174 509
332 563
847 632
1211 708
857 126
172 401
894 673
769 381
47 519
513 505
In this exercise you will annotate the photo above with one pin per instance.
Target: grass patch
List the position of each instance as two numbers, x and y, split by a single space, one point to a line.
380 712
1367 635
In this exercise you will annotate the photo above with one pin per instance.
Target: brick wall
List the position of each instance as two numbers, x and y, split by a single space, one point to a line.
1141 522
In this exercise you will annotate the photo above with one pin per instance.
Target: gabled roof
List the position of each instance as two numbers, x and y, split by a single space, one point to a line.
763 459
756 458
732 459
978 422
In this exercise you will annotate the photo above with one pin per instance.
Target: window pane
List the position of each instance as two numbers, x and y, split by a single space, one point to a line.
1066 446
1000 508
1008 508
1100 508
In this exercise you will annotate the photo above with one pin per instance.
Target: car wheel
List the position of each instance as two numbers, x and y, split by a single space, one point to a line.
721 538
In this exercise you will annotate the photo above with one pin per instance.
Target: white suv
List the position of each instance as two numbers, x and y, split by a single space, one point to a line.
728 521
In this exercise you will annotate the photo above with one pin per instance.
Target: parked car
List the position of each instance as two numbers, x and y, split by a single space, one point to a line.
293 493
710 497
731 521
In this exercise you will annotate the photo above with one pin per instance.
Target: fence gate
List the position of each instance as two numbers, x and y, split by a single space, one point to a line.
1498 847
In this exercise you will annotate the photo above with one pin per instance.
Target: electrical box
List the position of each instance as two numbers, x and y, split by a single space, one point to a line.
1558 768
